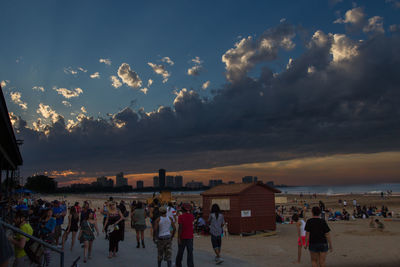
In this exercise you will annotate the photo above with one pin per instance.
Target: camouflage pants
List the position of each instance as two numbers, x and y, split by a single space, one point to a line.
164 249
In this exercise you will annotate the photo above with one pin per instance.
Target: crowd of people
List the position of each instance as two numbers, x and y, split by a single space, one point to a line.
313 233
45 220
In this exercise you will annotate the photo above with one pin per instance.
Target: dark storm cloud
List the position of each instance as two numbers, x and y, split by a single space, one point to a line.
340 96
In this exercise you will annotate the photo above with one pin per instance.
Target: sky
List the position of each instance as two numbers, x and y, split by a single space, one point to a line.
298 92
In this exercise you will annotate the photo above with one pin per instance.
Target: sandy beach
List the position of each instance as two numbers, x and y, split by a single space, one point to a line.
354 243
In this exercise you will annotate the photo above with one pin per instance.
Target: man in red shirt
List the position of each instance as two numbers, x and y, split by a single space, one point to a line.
185 236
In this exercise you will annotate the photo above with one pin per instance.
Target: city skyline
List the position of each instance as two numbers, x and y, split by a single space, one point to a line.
335 169
212 90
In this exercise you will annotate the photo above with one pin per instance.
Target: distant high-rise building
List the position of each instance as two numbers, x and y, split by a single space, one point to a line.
178 181
120 180
139 184
212 183
170 181
103 181
156 182
194 185
249 179
161 177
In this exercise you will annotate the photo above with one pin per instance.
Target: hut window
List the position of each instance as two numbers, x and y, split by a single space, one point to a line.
223 203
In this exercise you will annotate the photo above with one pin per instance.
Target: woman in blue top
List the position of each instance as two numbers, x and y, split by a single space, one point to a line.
47 226
46 232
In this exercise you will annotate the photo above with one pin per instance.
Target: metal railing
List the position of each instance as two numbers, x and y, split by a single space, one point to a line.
45 244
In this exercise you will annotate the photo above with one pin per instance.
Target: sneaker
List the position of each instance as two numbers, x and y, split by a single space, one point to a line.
220 260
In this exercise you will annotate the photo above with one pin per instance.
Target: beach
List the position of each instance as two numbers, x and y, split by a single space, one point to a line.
354 242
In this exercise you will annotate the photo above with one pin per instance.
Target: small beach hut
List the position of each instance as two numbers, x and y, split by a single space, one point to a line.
247 207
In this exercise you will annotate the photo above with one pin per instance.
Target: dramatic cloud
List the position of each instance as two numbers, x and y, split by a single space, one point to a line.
194 71
47 112
69 70
375 25
167 60
343 47
68 93
205 85
355 20
116 83
144 90
16 98
38 88
197 68
197 60
289 64
248 52
13 118
105 61
95 75
160 70
4 83
128 76
353 16
82 69
311 70
83 109
149 82
66 103
331 100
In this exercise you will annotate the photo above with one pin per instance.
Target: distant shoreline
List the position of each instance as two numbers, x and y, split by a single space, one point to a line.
368 189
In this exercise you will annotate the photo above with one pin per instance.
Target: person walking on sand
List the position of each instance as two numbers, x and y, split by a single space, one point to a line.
185 236
73 227
86 235
104 211
114 216
301 234
138 216
318 238
216 221
163 226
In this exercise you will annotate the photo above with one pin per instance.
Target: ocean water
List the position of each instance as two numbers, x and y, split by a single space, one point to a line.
318 189
342 189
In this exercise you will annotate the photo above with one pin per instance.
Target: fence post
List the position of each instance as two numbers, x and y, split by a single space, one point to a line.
62 259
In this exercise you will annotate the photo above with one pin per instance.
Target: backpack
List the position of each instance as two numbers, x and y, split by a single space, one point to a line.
34 250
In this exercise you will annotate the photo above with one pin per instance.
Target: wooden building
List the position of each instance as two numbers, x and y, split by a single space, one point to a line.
247 207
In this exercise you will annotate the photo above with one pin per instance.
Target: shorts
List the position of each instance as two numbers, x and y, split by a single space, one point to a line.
216 241
140 227
302 241
164 249
318 247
